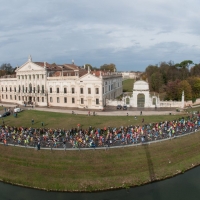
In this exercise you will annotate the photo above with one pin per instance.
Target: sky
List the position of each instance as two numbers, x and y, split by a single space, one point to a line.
132 34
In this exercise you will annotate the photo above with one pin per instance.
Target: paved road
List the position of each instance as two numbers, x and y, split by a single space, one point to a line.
109 111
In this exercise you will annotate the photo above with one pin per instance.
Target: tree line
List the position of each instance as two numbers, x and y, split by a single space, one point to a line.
172 79
6 69
106 67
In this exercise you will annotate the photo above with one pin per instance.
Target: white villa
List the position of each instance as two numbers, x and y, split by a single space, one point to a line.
67 85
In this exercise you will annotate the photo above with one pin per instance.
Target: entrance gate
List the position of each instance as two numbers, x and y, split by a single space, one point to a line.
140 100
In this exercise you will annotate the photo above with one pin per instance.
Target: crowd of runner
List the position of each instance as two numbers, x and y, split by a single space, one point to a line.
97 137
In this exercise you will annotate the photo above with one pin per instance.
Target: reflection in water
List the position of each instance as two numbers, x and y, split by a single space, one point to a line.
183 187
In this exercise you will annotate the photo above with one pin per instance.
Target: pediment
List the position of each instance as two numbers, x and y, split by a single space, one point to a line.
89 77
30 66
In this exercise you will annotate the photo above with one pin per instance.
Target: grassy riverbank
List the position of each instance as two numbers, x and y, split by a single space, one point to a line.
98 169
94 169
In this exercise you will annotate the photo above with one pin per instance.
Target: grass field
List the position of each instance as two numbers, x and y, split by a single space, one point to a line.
68 121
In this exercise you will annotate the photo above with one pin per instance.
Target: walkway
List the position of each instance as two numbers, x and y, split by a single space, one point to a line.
110 111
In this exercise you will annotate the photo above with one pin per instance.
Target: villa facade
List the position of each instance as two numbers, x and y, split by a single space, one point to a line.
67 85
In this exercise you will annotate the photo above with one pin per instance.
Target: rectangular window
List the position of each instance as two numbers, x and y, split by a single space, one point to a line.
97 101
73 90
97 90
2 89
34 90
37 76
51 99
57 89
19 98
58 100
65 99
42 99
30 77
50 90
2 96
65 90
89 90
82 101
15 89
81 90
38 99
11 97
15 97
38 89
73 100
42 88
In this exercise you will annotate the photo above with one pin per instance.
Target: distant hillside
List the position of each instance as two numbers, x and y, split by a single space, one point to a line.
128 85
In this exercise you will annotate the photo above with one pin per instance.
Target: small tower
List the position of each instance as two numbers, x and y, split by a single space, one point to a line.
100 75
183 99
30 58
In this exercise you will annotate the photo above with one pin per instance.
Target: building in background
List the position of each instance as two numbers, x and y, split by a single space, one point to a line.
131 75
67 85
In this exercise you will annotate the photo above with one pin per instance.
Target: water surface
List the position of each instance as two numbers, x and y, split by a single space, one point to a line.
183 187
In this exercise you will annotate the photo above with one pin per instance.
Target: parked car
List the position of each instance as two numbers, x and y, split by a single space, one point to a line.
5 114
119 107
16 110
124 107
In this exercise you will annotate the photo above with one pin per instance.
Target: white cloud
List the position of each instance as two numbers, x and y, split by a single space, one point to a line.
129 33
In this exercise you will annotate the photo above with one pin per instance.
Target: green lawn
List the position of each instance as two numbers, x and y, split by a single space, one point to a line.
68 121
128 85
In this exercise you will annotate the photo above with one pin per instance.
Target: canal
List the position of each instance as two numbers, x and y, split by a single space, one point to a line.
185 186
